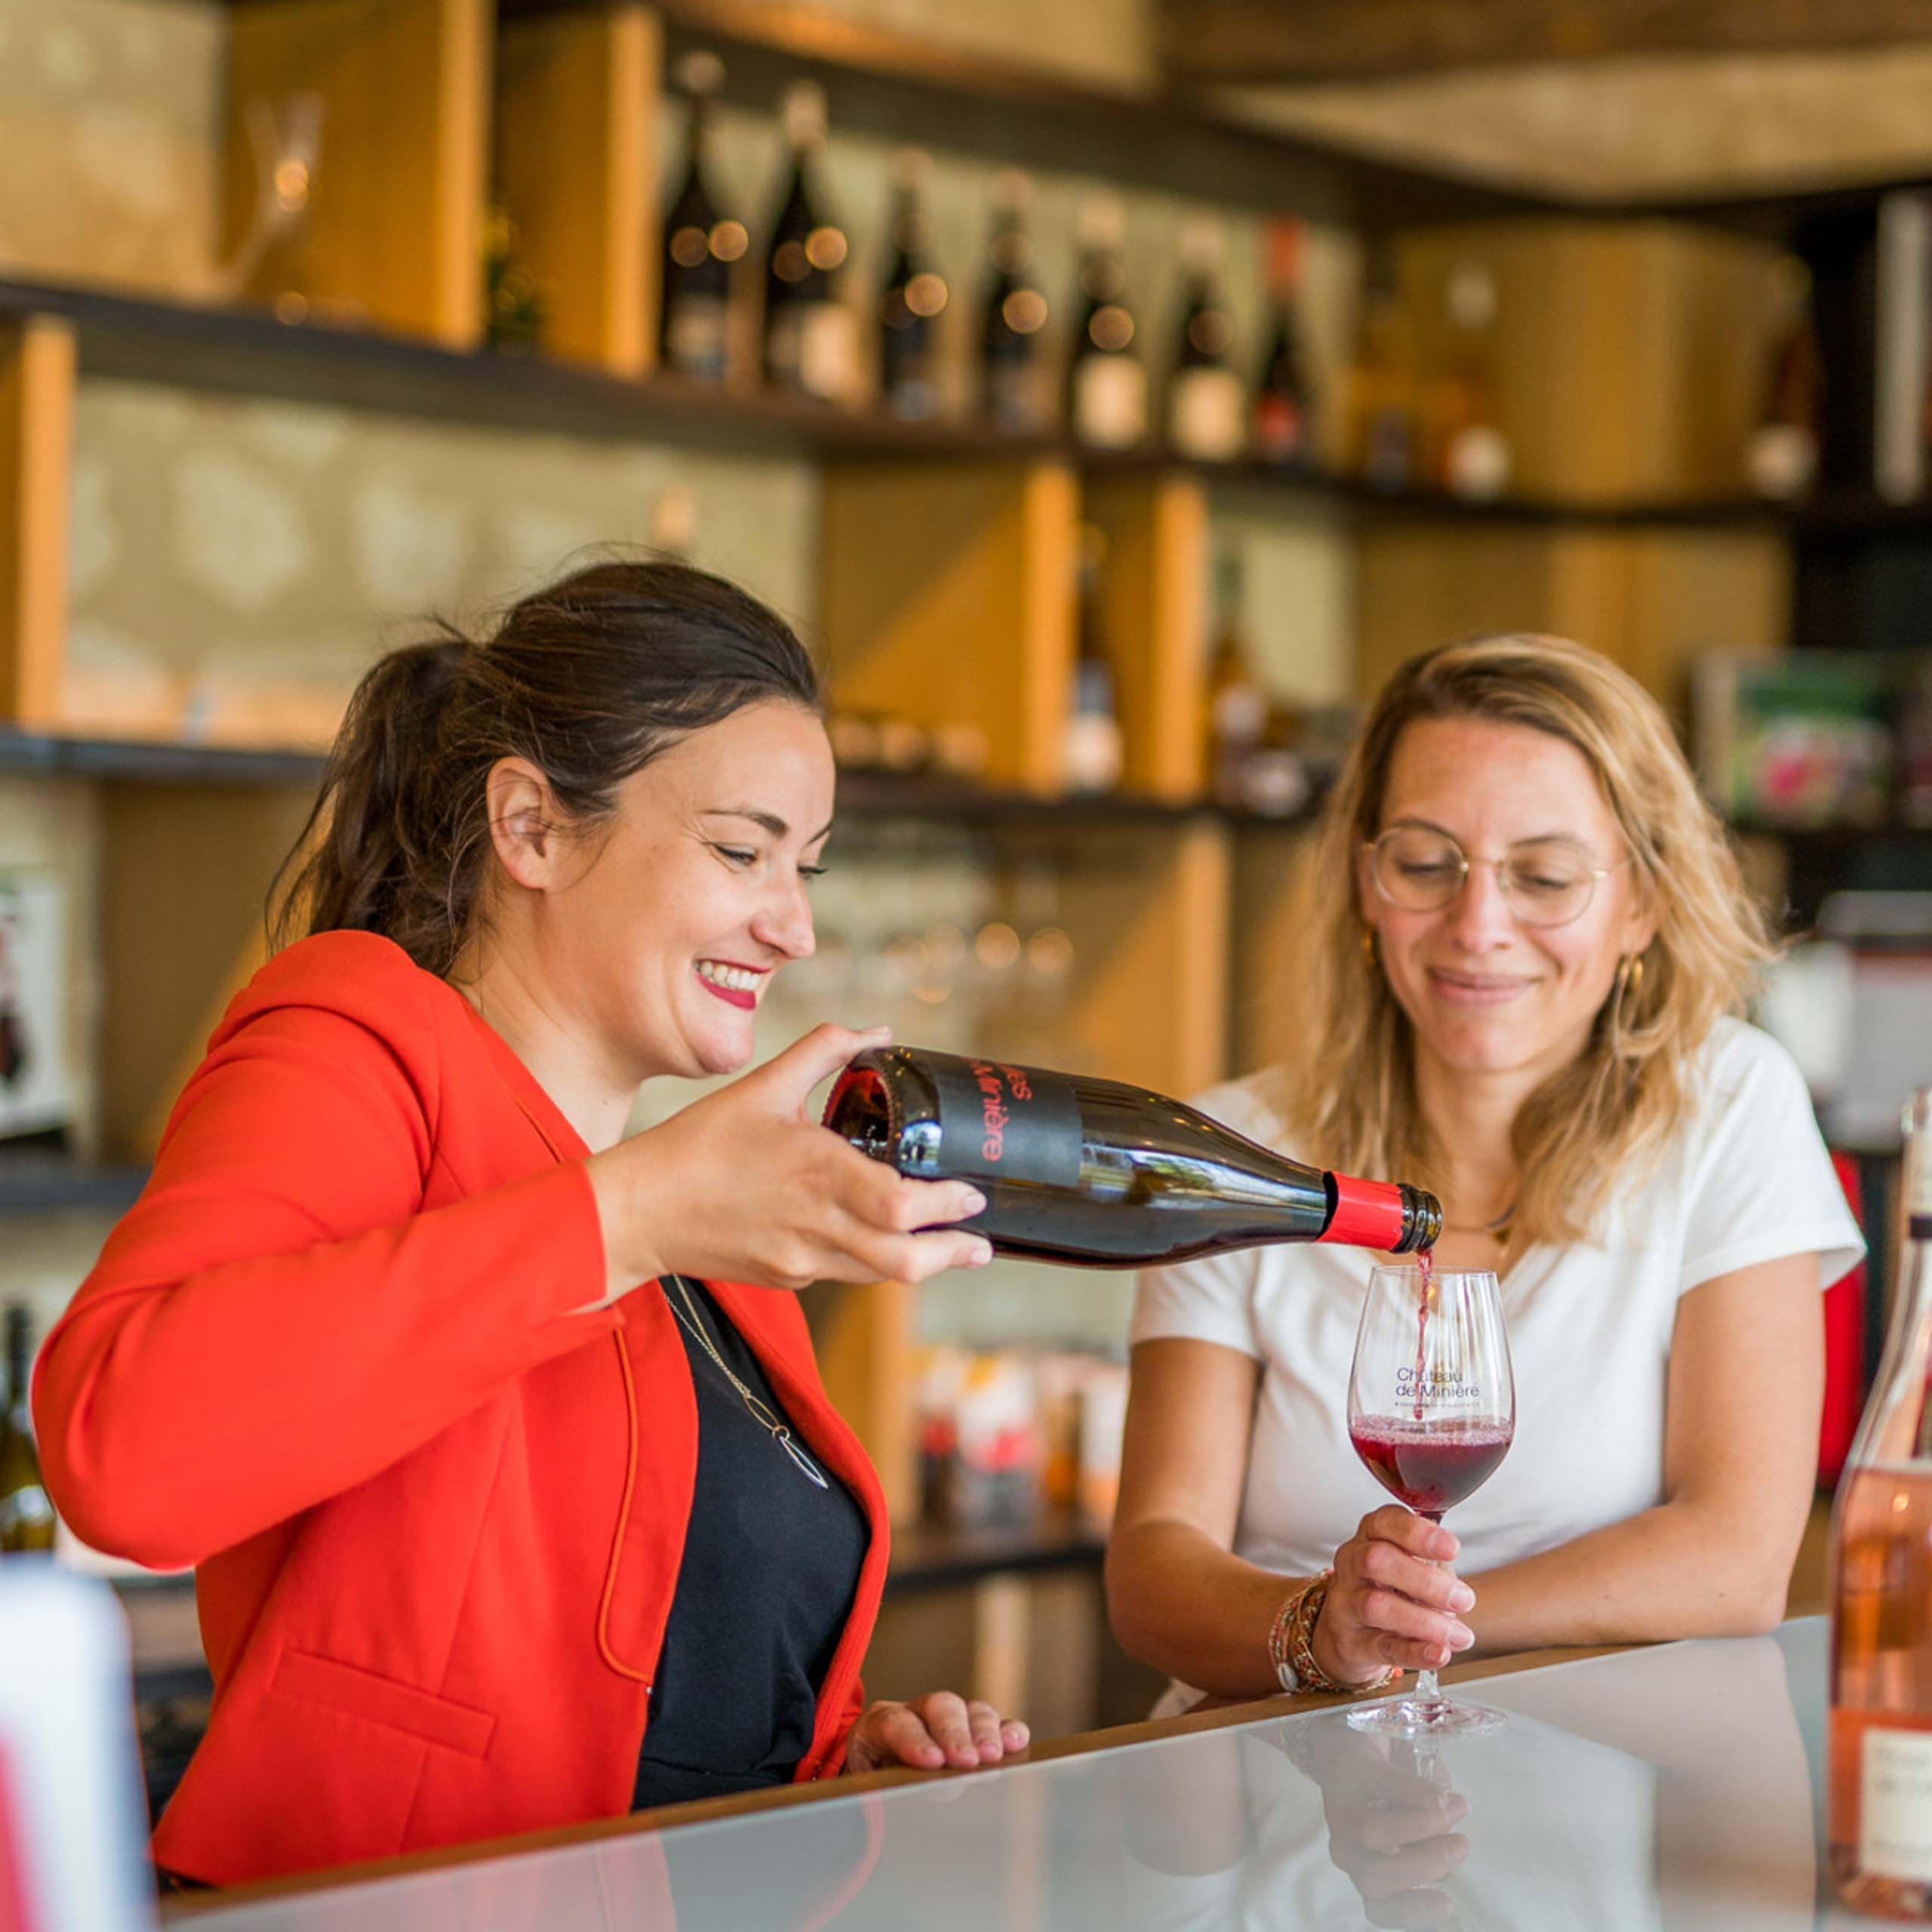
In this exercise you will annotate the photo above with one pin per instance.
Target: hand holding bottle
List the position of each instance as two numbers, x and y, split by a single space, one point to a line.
744 1185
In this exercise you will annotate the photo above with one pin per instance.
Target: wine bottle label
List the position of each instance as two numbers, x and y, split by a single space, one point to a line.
1895 1804
1205 408
826 351
696 336
1110 401
1007 1123
1478 462
1917 1180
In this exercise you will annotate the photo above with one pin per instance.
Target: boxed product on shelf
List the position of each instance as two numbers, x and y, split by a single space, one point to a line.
1008 1435
1802 740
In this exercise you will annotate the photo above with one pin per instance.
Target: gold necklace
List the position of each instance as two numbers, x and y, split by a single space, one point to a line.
761 1411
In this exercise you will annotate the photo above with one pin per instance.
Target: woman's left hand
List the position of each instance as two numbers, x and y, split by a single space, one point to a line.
932 1733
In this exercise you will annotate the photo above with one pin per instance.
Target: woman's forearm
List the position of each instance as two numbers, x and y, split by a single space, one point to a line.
1677 1570
1179 1601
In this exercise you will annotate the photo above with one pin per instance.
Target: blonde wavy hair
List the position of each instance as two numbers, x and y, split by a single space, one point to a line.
1607 1120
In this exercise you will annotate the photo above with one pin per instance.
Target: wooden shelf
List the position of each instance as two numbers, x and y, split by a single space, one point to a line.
246 351
862 794
936 1556
1832 838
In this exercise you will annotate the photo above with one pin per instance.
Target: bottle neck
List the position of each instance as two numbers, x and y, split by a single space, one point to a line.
1897 1426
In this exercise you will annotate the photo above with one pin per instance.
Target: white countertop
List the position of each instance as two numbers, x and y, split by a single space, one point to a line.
1676 1786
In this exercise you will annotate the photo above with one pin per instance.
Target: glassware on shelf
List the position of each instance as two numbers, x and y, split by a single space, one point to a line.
285 141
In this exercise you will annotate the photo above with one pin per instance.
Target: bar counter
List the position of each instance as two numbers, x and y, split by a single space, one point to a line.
1675 1784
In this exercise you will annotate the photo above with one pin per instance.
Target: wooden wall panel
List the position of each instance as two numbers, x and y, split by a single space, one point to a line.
576 168
1151 604
187 875
37 372
947 596
1628 356
394 224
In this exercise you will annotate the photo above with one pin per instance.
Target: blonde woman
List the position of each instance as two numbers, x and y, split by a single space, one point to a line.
1527 950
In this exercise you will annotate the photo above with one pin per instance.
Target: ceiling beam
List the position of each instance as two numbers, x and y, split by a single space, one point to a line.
1368 40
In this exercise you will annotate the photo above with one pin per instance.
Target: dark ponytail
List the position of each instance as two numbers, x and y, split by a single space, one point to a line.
589 680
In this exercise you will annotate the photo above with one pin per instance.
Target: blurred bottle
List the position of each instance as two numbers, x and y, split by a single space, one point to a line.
26 1515
1012 393
1106 380
808 346
514 309
701 244
1382 422
1781 456
1237 705
1284 401
1207 407
1469 454
1881 1739
912 299
1091 758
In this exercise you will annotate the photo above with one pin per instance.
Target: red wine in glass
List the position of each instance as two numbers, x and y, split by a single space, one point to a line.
1432 1411
1430 1466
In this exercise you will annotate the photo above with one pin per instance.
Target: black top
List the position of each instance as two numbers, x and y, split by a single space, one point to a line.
770 1566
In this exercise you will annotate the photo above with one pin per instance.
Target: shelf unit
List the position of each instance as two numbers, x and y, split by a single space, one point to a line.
945 550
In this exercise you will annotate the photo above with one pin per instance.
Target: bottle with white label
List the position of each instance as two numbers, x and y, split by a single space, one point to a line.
1106 380
1881 1775
1207 400
809 345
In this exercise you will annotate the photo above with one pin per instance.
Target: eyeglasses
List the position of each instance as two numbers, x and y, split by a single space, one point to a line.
1544 881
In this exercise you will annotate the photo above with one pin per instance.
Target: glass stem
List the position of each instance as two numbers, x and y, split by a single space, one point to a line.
1427 1690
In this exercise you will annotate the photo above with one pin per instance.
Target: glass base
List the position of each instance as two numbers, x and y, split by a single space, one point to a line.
1425 1717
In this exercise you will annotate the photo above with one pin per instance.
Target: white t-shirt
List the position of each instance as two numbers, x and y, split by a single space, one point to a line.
1590 1324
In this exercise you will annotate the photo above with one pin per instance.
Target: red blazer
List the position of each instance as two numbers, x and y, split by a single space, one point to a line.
330 1358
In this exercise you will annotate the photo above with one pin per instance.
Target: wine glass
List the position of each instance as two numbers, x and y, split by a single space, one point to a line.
1432 1408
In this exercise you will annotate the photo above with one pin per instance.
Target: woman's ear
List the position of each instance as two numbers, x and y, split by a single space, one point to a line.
523 823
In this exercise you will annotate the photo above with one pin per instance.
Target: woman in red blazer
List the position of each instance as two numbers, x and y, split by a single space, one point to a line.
495 1438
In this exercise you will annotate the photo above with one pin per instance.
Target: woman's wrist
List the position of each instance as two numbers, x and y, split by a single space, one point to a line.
630 1218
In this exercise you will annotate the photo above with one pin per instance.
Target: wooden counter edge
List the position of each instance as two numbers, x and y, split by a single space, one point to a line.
668 1817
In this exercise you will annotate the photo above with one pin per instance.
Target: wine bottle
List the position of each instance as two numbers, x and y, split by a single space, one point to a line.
1207 405
808 330
1107 403
26 1516
1781 455
1470 455
1880 1729
1382 424
1011 395
1092 753
1284 402
910 303
1098 1173
700 243
1237 704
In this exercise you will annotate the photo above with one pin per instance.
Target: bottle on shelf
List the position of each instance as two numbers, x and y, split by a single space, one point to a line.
808 342
1106 404
1237 703
1012 395
1098 1173
1781 455
1880 1745
701 244
1207 403
514 311
1284 398
26 1515
1469 454
1091 758
1092 750
1382 422
911 300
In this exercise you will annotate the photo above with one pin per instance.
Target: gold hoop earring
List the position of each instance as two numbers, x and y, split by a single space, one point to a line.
1368 944
1629 975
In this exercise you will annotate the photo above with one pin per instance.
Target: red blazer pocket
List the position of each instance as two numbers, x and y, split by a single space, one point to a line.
363 1694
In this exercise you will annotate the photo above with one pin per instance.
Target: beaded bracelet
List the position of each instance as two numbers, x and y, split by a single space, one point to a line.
1291 1643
